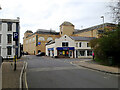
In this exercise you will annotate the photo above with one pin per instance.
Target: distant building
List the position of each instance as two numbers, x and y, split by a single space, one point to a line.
7 45
35 42
70 46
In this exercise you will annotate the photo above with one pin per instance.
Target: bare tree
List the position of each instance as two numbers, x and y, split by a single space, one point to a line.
115 11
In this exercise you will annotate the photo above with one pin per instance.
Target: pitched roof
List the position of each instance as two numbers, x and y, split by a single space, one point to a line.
43 31
78 38
94 27
50 42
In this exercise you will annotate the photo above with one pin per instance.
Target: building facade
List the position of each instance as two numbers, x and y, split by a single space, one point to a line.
70 46
7 45
35 42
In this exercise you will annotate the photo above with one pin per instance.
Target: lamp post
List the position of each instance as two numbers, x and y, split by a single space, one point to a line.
103 21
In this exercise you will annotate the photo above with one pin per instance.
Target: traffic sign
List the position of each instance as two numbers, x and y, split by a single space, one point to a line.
15 36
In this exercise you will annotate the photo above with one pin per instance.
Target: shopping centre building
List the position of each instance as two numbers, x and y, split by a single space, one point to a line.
76 43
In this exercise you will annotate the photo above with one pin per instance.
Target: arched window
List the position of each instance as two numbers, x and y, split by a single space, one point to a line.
49 38
41 39
33 39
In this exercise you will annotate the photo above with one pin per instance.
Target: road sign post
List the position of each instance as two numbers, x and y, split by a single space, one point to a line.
15 38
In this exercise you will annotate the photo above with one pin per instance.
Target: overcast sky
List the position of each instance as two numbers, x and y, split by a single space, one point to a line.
49 14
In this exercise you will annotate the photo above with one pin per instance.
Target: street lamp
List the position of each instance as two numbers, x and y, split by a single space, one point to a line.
103 21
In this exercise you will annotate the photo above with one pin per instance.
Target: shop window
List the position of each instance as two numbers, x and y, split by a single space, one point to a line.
60 53
82 53
89 52
64 44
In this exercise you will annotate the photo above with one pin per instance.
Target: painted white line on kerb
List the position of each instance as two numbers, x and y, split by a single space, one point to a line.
21 76
25 77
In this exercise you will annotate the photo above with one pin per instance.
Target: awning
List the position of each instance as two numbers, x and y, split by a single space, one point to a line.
50 49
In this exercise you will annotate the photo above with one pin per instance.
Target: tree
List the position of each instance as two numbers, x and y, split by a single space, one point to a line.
115 11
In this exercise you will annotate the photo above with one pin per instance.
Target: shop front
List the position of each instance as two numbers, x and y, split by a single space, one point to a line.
51 52
67 52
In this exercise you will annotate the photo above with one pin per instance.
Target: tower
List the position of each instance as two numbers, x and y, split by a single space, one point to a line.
66 28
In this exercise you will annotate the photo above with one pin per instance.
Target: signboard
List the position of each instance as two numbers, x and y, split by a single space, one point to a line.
65 48
39 43
15 36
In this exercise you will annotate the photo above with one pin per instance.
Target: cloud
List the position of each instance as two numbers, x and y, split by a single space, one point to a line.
46 14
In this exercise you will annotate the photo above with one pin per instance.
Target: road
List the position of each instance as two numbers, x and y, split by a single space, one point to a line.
46 72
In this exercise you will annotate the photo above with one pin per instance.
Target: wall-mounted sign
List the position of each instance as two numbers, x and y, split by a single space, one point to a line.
39 43
15 36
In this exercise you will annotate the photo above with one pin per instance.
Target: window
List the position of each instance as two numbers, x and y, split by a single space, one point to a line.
61 32
49 39
29 40
0 38
41 39
9 26
0 51
80 44
82 53
64 44
89 52
33 39
0 26
76 44
88 45
9 38
9 50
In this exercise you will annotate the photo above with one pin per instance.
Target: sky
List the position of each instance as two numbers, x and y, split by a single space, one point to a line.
50 14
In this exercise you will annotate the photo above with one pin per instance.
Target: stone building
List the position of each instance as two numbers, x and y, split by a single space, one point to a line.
70 46
35 42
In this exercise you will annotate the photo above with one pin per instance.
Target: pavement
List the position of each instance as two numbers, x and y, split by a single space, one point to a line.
11 78
90 64
0 79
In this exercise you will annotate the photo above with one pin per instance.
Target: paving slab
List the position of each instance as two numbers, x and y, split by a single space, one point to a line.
10 78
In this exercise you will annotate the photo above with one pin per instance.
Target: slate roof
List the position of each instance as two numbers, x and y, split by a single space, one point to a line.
50 42
78 38
43 31
94 27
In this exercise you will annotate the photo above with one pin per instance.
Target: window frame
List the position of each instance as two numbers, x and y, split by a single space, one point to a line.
9 39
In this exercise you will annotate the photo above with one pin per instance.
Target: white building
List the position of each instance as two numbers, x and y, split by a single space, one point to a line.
7 27
73 47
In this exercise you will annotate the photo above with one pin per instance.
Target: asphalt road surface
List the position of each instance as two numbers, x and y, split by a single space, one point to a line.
46 72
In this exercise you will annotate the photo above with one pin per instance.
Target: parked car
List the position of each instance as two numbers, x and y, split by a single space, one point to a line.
41 54
25 53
